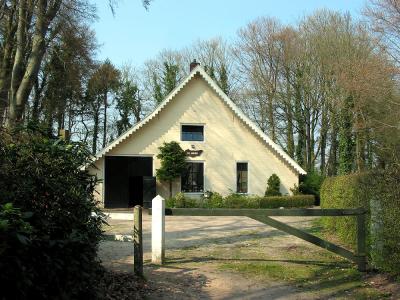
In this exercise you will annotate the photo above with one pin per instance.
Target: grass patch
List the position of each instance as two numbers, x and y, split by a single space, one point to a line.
325 280
270 270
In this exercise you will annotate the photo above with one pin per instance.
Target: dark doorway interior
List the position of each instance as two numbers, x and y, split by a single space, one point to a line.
135 191
124 178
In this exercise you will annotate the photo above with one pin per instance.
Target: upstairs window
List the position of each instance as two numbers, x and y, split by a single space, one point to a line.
241 177
192 133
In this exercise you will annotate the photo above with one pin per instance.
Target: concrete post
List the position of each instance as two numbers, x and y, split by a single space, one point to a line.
158 230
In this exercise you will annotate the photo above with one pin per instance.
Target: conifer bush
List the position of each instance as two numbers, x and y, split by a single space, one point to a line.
273 186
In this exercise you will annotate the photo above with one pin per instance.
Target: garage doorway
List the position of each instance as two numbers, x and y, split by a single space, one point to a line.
128 181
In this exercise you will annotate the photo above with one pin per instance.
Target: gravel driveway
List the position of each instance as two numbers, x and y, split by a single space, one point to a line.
202 280
184 232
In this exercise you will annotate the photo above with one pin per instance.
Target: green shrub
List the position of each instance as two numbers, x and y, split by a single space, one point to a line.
170 202
343 192
173 163
296 190
310 184
235 200
50 226
287 201
379 192
180 201
273 186
253 201
214 201
383 190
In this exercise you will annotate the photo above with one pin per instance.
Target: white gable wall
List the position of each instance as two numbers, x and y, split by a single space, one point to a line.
227 141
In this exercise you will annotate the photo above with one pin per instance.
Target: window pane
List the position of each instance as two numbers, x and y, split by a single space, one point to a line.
192 179
192 133
241 179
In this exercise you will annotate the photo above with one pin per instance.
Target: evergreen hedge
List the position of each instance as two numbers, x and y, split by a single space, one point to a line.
241 201
343 192
379 192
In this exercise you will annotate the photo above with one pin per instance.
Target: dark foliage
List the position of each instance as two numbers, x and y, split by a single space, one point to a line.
49 223
310 184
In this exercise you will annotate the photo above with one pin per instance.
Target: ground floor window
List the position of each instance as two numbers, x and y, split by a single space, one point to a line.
241 177
192 180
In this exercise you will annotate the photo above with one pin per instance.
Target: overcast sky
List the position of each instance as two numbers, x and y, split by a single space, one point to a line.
135 35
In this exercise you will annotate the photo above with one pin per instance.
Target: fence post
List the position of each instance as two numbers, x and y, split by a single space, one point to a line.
361 243
158 230
137 241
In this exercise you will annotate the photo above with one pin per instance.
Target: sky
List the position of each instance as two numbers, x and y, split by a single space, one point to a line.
134 34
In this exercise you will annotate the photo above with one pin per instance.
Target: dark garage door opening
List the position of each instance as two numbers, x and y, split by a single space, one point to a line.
128 181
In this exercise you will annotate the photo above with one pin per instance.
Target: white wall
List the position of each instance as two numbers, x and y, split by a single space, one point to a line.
227 140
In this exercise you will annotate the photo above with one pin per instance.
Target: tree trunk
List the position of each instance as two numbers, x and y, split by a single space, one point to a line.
170 188
271 119
289 131
36 101
360 139
289 116
105 120
300 148
332 160
308 144
95 132
6 62
324 132
15 109
22 78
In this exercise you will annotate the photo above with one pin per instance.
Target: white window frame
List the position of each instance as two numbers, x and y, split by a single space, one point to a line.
193 124
204 178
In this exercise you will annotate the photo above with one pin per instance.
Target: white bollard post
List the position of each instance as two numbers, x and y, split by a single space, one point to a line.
158 230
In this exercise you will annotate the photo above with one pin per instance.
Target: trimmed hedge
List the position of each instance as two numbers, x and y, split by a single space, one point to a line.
241 201
379 192
343 192
384 192
287 201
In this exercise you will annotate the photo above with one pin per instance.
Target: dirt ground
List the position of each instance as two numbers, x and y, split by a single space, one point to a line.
237 258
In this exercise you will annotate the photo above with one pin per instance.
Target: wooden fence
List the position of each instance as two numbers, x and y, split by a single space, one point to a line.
263 215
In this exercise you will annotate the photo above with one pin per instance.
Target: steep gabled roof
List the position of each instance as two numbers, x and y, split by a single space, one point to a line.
199 70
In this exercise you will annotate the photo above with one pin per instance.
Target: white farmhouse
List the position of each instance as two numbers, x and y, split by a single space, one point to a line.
227 152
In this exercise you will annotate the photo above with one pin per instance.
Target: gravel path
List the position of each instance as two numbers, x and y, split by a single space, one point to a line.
202 280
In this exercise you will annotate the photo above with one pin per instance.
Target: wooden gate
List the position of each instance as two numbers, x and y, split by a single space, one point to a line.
263 216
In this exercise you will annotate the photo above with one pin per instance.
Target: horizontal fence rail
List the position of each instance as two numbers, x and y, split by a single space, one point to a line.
299 212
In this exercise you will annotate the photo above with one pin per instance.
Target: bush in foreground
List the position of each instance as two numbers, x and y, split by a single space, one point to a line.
49 223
